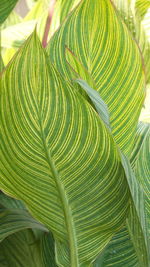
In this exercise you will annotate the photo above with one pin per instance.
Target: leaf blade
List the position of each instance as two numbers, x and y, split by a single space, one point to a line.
54 140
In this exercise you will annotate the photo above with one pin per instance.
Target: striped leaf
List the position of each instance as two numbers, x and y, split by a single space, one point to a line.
137 227
78 70
47 250
5 8
61 158
137 220
142 168
89 86
128 13
142 6
120 252
137 211
131 15
141 132
97 36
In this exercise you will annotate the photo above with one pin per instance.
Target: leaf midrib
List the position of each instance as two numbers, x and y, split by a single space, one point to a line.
64 200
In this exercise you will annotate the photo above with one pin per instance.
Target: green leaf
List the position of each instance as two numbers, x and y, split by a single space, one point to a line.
47 250
131 15
128 13
15 220
137 211
137 223
97 36
137 227
98 102
141 132
20 250
78 70
11 203
1 63
142 171
119 252
5 8
61 11
60 156
88 86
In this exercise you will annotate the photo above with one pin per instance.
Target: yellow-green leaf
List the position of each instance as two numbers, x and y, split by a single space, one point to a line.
59 158
95 33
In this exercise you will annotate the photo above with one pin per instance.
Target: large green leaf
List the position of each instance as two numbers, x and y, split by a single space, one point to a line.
59 158
97 36
5 8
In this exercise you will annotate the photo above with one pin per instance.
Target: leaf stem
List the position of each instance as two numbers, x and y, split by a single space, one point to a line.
48 23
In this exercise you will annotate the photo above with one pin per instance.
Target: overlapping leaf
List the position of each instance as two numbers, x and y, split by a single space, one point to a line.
142 169
89 87
102 43
14 36
11 203
60 156
16 220
20 249
47 250
120 252
12 19
137 222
